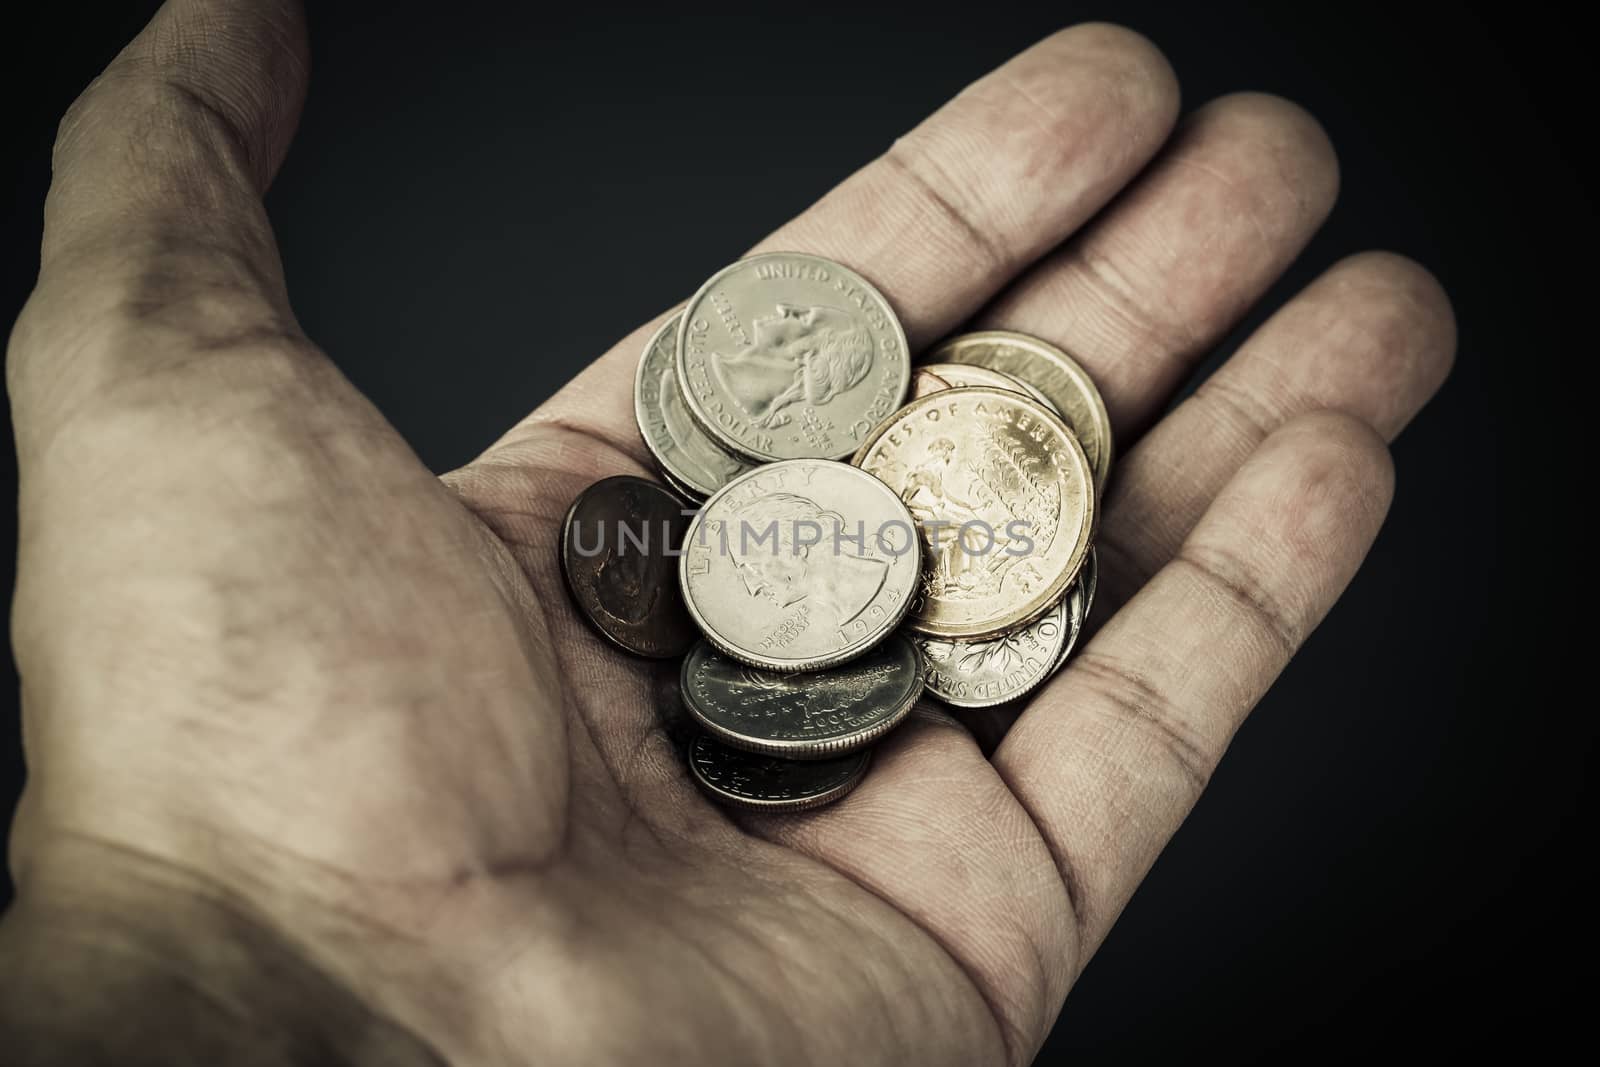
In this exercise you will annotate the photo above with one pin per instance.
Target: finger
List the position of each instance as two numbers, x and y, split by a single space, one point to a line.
1374 337
154 221
1113 755
957 206
1159 277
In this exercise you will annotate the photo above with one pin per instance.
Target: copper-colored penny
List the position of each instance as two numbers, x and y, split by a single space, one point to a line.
619 547
924 381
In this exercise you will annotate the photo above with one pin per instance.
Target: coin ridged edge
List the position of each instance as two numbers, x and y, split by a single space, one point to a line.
806 750
793 806
1060 587
684 488
680 357
1090 573
750 659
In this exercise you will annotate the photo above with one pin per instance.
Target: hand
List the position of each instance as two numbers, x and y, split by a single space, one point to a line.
324 766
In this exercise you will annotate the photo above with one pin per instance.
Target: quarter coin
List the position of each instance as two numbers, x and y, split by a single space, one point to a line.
981 674
766 783
689 459
1050 370
800 565
619 545
803 716
1005 501
788 356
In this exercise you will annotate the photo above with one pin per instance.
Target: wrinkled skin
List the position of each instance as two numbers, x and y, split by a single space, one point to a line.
325 768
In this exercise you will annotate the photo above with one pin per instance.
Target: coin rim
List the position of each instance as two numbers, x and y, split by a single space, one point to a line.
1068 623
1090 574
1058 588
819 663
1088 578
675 479
1026 388
728 444
572 590
838 792
837 745
942 352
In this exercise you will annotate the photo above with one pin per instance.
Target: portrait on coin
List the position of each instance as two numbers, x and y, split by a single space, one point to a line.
625 585
809 354
827 569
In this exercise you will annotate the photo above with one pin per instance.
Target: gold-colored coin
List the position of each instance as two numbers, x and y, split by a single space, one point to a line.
966 375
1004 498
1052 372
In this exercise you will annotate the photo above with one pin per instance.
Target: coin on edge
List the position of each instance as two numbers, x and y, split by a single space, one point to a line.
788 356
767 783
1004 499
1050 370
800 565
619 544
966 375
803 716
1081 600
689 459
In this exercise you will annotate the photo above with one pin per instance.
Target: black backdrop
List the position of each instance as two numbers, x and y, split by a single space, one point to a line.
482 199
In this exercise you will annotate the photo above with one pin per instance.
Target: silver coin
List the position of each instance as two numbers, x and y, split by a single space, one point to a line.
767 783
803 716
1082 600
690 496
981 674
800 565
688 459
788 356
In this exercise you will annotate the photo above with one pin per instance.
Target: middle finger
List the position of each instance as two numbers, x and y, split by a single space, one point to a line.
1141 294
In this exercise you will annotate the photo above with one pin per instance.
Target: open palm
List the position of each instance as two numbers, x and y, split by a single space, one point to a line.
317 742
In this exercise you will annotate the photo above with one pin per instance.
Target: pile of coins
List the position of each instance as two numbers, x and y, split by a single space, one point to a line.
865 529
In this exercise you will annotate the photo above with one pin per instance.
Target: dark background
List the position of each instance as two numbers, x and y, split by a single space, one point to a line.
481 200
